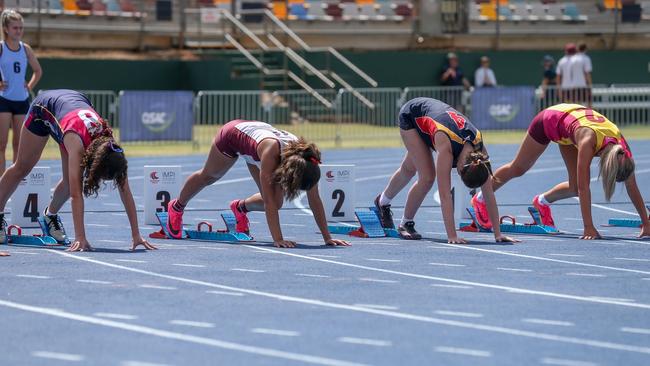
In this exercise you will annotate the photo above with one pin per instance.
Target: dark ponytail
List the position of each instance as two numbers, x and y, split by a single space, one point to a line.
476 170
298 169
103 160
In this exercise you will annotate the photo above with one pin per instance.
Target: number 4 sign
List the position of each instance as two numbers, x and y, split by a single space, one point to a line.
337 188
161 185
31 197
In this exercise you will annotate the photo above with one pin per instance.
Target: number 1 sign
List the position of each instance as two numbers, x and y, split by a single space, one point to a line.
31 197
338 191
161 185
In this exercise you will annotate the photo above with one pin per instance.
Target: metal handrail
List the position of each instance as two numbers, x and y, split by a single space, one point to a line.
244 29
287 30
352 90
309 89
247 54
352 67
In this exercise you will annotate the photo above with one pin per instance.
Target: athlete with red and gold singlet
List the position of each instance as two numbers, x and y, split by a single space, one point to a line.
581 134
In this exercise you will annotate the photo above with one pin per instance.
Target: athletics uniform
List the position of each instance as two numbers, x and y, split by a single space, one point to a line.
429 116
58 112
240 137
13 66
559 123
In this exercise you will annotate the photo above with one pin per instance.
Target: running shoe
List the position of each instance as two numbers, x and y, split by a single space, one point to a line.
54 227
385 215
174 221
242 219
3 228
544 212
480 209
407 231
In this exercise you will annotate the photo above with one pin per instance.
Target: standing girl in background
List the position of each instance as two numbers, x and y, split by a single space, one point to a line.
14 91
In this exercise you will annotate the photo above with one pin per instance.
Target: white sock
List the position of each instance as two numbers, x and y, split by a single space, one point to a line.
479 196
543 200
405 220
384 200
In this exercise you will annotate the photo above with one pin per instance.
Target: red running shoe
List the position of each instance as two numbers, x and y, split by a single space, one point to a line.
544 212
242 219
480 208
174 221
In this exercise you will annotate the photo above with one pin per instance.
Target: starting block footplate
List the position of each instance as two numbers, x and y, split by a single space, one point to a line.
535 228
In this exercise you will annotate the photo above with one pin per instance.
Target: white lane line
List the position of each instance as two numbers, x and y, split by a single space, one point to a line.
312 275
386 313
277 332
294 225
228 181
383 260
379 307
225 293
635 330
450 286
269 352
514 269
585 274
368 279
140 363
443 248
188 265
459 313
325 256
446 264
98 225
116 316
548 322
118 214
620 299
190 323
633 259
464 351
365 341
247 270
374 177
97 282
566 255
517 290
21 252
546 259
564 362
58 356
34 276
156 287
130 261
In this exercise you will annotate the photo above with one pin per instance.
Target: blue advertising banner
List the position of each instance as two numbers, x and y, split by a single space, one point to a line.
156 115
503 107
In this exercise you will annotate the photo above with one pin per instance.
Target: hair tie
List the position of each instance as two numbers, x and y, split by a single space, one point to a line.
314 160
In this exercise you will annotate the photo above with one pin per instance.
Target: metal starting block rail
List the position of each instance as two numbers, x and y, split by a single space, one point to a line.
230 234
369 226
533 228
625 222
32 240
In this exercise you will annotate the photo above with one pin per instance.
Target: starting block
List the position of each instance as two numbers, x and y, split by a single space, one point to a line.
533 228
33 240
46 231
230 234
626 222
369 226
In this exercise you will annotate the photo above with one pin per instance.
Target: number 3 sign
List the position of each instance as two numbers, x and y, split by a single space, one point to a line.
338 193
31 197
161 185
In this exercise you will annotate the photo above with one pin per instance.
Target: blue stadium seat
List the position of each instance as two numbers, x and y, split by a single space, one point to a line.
54 7
112 6
299 11
572 13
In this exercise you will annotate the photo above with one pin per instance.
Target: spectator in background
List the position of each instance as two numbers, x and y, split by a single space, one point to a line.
572 76
548 81
484 76
452 75
586 60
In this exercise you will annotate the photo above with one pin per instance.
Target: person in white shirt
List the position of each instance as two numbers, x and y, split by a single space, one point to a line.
484 76
582 52
572 76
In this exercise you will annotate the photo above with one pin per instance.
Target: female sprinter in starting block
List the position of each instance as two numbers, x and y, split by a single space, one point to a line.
428 124
581 134
89 156
281 164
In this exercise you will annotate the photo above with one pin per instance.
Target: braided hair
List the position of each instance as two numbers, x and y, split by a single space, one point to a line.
298 169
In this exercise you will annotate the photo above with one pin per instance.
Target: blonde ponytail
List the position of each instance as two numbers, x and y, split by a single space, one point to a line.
7 16
615 166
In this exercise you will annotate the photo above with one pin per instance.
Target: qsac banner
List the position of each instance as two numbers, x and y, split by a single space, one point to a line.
503 108
156 115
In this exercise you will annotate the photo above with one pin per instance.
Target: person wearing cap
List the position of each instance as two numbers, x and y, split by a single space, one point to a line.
572 75
548 81
484 76
452 75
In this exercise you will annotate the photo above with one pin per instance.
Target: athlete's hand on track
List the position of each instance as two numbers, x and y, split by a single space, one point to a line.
456 240
337 242
645 231
506 239
80 246
4 254
140 241
591 233
284 244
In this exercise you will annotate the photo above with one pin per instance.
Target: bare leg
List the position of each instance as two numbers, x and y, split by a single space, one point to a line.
529 151
62 190
5 123
16 126
29 152
401 177
422 159
215 167
256 202
569 188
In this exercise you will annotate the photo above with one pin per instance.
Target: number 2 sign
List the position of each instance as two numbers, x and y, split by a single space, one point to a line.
31 197
337 190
